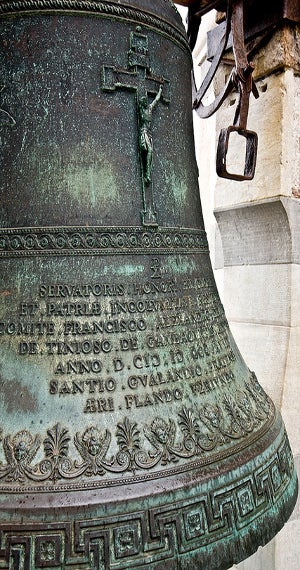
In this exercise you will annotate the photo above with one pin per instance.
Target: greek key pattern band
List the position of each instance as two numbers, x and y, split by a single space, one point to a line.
164 532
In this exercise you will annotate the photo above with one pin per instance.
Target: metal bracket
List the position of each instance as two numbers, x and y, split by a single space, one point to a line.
250 158
239 79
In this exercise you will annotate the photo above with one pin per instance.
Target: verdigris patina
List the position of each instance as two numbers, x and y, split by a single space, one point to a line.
133 434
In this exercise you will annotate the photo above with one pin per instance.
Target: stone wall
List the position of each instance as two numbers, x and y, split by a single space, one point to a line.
254 234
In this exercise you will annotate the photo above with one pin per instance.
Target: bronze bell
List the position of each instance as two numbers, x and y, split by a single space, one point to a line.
133 435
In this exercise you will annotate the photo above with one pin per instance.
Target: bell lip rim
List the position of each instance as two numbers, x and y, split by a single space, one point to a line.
221 553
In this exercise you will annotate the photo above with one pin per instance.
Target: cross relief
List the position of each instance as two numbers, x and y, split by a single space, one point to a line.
150 90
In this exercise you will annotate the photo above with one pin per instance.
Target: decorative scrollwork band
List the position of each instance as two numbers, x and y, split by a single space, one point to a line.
99 240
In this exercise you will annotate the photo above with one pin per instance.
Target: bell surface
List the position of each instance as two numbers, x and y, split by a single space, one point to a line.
133 435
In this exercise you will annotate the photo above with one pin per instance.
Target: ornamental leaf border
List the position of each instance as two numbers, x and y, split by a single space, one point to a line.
199 434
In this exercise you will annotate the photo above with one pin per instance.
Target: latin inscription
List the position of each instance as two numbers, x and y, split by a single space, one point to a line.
142 344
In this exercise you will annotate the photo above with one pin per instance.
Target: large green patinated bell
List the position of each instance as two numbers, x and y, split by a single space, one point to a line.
133 435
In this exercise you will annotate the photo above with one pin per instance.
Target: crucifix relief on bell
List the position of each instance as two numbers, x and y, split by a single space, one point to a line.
138 78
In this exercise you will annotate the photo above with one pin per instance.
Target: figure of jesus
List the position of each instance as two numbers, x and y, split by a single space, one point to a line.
145 136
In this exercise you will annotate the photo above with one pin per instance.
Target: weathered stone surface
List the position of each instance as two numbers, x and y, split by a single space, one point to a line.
282 51
259 294
256 245
255 234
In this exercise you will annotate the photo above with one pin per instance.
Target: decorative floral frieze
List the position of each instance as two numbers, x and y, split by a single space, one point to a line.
190 435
